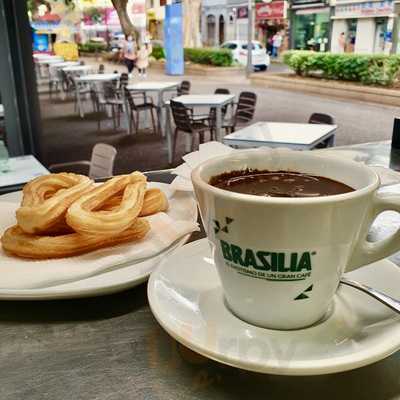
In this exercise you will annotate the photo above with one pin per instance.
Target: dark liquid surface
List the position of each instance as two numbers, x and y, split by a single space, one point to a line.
278 184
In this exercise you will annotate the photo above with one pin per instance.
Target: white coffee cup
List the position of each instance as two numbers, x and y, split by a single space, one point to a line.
280 259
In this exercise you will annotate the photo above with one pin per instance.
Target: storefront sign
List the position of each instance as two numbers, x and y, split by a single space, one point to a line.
368 9
299 3
273 10
312 11
242 12
136 10
40 42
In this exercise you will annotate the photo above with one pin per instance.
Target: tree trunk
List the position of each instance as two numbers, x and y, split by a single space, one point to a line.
126 25
191 23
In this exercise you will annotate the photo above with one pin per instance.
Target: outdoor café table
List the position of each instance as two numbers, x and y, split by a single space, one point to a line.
21 170
217 101
112 348
91 79
281 134
46 62
152 87
50 61
41 56
79 69
64 64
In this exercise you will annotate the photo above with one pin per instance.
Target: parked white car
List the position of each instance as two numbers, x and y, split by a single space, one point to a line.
260 58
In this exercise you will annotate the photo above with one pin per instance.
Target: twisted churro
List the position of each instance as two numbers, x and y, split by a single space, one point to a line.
83 217
154 201
46 200
19 243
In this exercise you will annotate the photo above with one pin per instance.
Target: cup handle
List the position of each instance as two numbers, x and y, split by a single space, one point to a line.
368 252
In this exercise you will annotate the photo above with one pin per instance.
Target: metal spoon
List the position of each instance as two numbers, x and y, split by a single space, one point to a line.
376 294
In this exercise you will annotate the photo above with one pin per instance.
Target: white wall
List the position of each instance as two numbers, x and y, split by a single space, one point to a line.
242 27
365 36
339 26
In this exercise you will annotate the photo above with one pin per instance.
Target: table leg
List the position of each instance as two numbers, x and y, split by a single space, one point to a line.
218 124
126 114
331 141
189 143
78 101
160 113
168 132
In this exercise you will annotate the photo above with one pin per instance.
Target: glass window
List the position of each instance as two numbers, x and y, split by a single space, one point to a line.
244 46
230 46
311 31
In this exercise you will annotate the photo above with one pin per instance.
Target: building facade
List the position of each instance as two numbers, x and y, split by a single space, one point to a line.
363 27
238 19
310 25
155 19
214 18
271 18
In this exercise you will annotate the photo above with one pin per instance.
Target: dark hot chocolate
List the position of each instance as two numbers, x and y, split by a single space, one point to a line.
278 184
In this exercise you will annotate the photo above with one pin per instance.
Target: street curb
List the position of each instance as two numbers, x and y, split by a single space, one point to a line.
327 88
202 70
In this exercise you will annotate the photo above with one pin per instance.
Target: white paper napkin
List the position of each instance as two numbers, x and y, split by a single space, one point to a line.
192 160
213 149
16 273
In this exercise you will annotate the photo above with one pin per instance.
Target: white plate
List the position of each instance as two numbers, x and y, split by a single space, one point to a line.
186 298
112 281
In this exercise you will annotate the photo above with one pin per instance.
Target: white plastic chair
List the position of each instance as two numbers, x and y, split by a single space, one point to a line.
54 80
101 164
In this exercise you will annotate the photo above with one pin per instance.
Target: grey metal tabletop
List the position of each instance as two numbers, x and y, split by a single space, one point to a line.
111 347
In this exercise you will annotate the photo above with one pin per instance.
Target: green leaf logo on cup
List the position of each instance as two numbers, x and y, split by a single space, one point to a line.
280 259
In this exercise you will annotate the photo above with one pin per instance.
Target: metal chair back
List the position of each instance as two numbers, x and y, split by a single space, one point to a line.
184 88
123 80
129 98
102 161
71 84
246 107
181 115
109 91
222 91
319 118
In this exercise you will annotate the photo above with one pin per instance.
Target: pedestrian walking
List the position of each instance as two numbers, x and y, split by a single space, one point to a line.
270 45
276 44
129 53
143 59
342 42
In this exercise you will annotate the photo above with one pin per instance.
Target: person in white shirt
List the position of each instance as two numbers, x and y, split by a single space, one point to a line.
276 44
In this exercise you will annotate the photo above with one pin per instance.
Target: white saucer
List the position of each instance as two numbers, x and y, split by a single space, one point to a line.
118 279
186 298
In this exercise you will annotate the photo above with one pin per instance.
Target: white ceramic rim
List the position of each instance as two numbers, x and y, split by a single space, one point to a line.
198 180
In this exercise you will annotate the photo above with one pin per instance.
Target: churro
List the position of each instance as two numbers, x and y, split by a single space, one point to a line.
46 200
21 244
154 201
83 217
63 215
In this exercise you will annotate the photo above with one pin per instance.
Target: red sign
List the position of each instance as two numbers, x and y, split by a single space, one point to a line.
273 10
